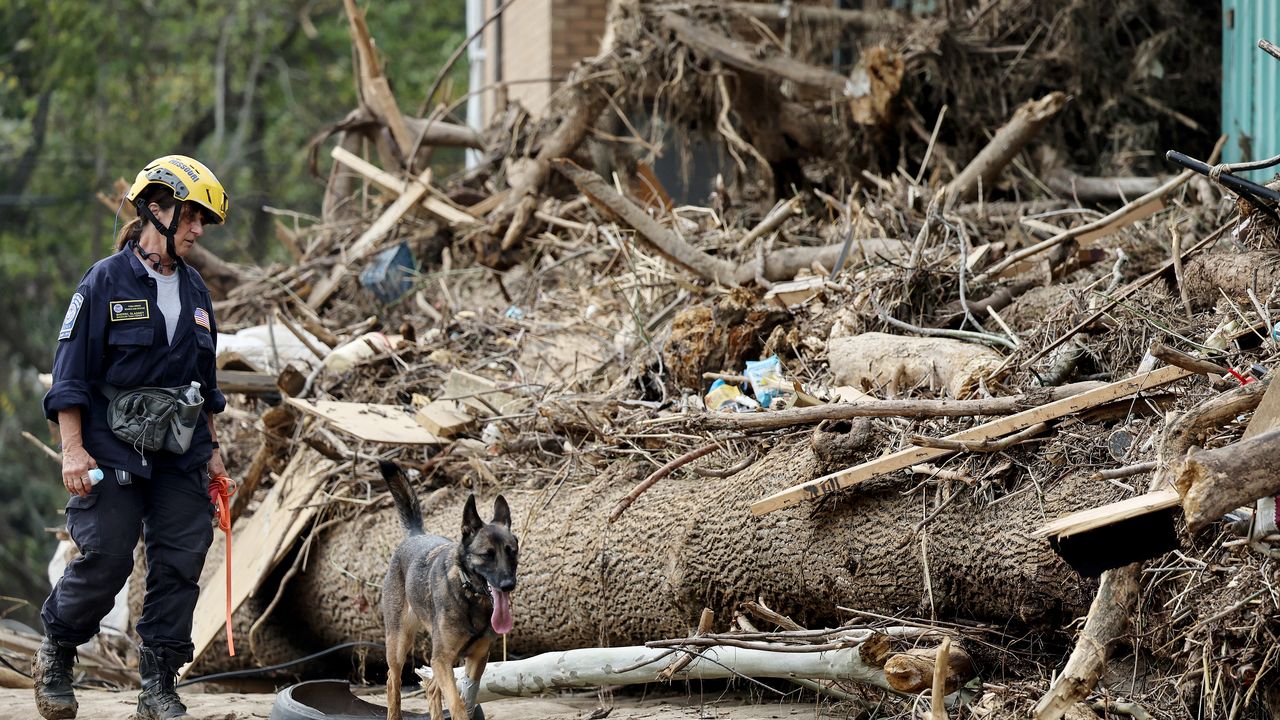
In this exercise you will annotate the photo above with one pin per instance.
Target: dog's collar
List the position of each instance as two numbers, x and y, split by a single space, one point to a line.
469 586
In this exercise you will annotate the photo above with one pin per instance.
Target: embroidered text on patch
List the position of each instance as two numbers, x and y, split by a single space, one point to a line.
69 321
129 310
202 319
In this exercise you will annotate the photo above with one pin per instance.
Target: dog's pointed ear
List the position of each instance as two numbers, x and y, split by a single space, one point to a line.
471 522
501 512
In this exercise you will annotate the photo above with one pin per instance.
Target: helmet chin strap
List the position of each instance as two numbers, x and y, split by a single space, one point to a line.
144 210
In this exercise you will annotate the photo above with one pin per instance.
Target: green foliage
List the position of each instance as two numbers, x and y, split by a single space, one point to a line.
90 90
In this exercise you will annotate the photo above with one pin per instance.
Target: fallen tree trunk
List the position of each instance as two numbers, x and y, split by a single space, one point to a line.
691 542
1233 274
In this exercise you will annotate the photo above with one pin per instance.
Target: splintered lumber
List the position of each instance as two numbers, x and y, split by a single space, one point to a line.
988 431
1107 620
391 183
479 394
1140 209
374 89
592 667
1185 431
1225 478
369 421
370 237
259 543
1026 123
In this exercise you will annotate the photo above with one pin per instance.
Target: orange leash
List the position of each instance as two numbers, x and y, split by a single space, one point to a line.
221 488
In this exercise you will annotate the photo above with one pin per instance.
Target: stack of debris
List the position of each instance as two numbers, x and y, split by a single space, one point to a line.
851 387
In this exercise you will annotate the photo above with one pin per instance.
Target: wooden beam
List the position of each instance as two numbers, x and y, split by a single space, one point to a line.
369 239
1085 520
393 184
997 428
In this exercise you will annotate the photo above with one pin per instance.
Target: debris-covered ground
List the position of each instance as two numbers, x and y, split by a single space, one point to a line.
990 302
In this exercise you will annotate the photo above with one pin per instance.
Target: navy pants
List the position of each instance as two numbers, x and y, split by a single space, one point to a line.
173 514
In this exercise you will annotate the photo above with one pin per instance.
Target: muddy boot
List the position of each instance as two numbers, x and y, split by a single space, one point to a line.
158 699
51 670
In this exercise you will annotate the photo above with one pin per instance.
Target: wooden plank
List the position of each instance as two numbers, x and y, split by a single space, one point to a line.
1267 415
257 546
369 239
794 292
444 418
1129 216
413 192
478 393
1085 520
987 431
370 422
393 184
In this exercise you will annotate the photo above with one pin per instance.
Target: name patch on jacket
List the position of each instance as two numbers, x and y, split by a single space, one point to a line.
69 320
202 319
130 310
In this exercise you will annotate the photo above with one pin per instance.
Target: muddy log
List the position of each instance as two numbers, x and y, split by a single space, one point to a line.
1232 273
691 542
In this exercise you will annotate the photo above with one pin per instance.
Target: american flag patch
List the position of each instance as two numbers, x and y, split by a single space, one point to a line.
202 318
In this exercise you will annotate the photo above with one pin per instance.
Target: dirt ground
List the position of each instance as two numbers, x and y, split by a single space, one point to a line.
105 705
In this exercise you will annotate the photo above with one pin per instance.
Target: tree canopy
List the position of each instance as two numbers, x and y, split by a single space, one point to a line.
91 91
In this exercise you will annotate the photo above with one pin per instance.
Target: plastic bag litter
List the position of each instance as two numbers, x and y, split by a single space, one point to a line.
728 398
771 388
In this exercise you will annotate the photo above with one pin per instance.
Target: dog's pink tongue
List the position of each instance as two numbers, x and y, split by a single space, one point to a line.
501 619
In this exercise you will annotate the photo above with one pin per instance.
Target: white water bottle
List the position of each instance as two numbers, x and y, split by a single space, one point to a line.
191 396
95 476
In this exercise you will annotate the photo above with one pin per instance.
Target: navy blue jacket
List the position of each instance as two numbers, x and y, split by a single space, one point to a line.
114 333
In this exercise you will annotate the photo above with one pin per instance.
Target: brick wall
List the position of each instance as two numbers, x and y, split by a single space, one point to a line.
576 28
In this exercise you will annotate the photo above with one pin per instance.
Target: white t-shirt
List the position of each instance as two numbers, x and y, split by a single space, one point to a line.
167 299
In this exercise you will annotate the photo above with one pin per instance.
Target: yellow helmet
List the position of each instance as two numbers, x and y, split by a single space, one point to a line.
188 179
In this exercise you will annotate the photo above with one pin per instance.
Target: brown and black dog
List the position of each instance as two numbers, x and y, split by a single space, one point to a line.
459 592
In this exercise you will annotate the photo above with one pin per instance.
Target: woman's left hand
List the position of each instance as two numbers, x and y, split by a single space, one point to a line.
216 467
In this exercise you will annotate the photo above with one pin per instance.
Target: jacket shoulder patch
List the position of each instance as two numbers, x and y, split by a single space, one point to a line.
69 321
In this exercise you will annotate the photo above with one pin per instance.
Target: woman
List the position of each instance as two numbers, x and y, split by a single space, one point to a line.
141 318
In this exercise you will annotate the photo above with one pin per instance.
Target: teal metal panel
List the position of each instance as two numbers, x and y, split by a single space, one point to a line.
1250 83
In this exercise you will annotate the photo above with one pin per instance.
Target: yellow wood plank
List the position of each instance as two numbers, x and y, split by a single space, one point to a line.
1267 415
1084 520
987 431
369 421
257 545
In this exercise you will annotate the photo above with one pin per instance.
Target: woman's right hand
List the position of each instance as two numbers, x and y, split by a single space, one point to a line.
76 464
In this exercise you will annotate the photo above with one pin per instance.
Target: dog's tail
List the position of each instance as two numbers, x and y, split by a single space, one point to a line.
406 500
